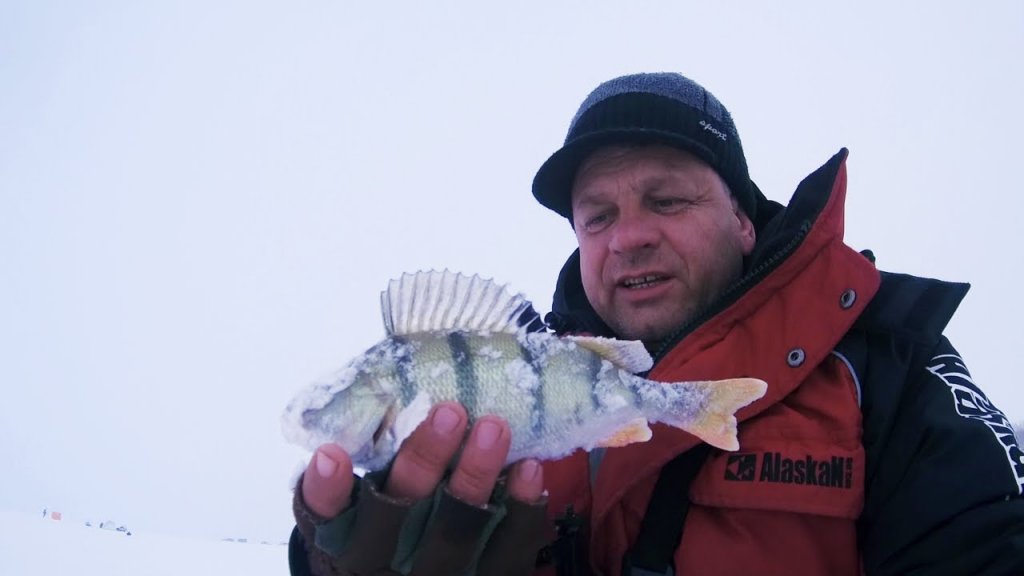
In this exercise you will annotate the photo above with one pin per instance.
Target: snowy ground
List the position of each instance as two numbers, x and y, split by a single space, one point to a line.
34 545
37 546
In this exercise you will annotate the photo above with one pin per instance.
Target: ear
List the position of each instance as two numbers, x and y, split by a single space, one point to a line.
747 233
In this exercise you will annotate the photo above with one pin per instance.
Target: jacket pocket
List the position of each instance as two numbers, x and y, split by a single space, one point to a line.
803 455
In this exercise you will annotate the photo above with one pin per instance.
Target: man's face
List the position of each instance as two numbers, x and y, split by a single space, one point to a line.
660 237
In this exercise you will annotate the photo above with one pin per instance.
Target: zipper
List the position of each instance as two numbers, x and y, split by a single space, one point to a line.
733 292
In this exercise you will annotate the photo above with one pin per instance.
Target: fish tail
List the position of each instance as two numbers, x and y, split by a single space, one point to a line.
715 422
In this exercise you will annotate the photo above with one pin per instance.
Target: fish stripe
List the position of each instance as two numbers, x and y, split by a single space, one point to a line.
537 416
465 374
631 384
404 368
594 368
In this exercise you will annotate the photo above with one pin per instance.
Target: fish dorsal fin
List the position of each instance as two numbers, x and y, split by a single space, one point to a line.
447 301
630 355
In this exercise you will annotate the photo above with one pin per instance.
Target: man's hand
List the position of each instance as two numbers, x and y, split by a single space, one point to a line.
422 461
417 470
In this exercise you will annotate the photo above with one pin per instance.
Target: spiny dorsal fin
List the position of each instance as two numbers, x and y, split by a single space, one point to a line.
630 355
446 301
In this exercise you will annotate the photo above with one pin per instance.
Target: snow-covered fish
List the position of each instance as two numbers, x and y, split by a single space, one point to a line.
461 338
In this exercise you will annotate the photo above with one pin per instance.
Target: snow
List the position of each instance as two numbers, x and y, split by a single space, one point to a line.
522 374
411 416
489 352
36 545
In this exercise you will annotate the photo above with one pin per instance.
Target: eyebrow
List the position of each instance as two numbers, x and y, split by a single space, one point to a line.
578 208
647 185
583 198
653 183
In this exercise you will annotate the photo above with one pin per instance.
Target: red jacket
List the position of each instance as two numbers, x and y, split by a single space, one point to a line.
872 452
787 502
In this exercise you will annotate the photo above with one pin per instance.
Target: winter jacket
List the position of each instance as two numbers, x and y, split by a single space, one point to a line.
872 451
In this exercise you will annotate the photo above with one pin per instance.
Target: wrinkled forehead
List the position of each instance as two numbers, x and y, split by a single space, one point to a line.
659 161
618 155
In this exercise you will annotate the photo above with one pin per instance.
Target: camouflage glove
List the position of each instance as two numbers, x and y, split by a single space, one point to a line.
439 536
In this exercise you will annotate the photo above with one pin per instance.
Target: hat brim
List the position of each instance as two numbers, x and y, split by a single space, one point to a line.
552 186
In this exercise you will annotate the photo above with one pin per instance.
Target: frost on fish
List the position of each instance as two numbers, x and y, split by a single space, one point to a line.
461 338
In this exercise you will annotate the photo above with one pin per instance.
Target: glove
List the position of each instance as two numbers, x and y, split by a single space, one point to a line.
382 536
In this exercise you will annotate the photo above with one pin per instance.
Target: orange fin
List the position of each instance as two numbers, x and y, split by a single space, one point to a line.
635 431
716 423
630 355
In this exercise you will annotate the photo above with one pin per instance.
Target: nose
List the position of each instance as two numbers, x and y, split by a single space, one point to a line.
633 233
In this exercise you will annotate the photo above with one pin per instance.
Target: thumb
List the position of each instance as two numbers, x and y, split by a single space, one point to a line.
327 483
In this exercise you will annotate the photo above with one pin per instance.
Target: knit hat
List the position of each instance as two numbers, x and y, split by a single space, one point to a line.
663 108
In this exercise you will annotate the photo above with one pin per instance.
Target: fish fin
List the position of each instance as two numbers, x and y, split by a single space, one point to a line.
630 355
716 422
635 431
434 301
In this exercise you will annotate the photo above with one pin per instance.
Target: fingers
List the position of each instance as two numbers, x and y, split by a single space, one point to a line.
327 483
425 454
483 457
453 537
526 481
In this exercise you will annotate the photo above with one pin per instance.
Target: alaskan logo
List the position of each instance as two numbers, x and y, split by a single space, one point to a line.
709 128
833 472
741 467
971 402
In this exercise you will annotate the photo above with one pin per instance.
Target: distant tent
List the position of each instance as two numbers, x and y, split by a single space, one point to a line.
55 515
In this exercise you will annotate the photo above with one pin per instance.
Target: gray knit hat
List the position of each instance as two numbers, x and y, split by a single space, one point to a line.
663 108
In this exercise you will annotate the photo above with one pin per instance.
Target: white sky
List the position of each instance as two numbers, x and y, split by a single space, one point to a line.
200 201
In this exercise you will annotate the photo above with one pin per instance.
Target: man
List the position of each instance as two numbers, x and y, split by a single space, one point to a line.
872 452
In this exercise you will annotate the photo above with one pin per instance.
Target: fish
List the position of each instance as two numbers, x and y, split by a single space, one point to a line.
454 337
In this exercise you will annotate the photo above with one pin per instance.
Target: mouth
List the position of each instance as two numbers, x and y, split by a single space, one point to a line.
384 433
373 448
638 282
379 432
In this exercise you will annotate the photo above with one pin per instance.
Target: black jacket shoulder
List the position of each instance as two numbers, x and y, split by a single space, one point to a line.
944 472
